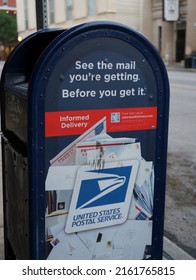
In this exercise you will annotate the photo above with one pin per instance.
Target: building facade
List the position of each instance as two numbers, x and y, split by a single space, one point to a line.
8 6
67 13
174 40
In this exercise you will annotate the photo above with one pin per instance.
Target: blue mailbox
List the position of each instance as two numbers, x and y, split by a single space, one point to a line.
85 128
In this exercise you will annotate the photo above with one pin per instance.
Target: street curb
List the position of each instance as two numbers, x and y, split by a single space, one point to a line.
172 252
179 68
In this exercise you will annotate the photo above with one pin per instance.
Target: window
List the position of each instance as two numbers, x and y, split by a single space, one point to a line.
69 9
26 18
51 11
160 39
5 2
92 7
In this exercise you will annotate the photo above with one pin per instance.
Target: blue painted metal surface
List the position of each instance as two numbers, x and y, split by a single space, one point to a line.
60 48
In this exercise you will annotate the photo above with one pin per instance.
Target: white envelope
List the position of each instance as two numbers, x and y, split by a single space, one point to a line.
63 199
144 172
130 238
56 229
61 177
98 241
103 143
54 220
114 152
69 247
68 154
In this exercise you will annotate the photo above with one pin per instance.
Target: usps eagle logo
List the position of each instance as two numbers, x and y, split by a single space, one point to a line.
103 187
101 197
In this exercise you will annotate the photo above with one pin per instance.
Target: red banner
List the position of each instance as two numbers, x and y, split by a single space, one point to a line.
66 123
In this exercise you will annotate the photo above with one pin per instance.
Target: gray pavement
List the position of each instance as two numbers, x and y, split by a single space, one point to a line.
170 250
179 66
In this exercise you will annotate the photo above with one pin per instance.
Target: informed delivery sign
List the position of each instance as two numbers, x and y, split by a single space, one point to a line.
101 115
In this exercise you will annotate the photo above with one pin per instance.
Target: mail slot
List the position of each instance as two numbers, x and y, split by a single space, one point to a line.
85 123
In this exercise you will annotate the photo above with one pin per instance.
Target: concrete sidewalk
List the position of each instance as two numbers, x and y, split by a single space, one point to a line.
179 66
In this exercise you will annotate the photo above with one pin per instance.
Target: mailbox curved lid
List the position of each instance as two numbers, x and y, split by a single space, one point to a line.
57 56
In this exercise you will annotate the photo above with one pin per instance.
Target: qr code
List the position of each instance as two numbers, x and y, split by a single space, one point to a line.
115 117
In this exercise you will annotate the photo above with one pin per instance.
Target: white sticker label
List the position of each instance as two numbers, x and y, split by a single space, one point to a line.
102 195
